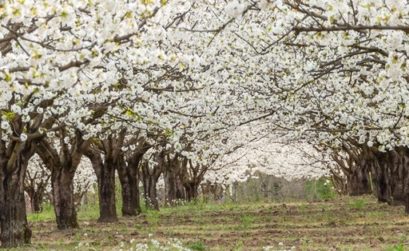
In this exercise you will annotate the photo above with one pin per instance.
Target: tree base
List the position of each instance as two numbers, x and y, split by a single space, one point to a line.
107 220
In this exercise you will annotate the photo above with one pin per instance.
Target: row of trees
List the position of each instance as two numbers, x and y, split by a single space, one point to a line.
351 101
157 87
74 76
37 183
329 73
141 164
366 170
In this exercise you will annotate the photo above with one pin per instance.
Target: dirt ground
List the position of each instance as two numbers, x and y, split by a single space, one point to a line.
343 224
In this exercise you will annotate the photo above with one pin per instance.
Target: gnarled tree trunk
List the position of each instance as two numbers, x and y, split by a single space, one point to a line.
36 200
192 176
105 172
63 164
13 220
352 164
392 176
358 182
191 189
111 147
35 186
129 178
128 171
14 226
382 177
106 192
174 188
62 180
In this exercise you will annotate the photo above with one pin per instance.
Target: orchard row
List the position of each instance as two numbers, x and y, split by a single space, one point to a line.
150 87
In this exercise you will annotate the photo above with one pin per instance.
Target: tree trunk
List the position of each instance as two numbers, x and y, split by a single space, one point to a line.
150 176
382 188
174 175
129 178
35 193
14 227
394 176
191 189
13 220
382 182
105 172
63 163
170 187
106 192
36 202
173 187
63 197
358 183
150 192
128 171
36 199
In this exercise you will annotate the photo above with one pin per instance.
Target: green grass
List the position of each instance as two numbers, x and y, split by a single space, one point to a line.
46 215
398 247
246 222
89 212
85 212
357 204
152 217
321 189
198 246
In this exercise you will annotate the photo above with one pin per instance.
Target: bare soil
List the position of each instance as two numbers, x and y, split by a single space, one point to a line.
343 224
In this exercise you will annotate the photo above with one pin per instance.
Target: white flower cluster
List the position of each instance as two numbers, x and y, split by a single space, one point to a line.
185 74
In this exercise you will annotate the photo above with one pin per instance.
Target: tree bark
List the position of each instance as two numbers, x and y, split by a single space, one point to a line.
354 166
63 164
358 182
191 176
129 178
128 171
14 226
392 176
106 192
180 179
191 191
105 172
173 186
34 186
150 192
382 181
36 199
63 197
13 220
36 202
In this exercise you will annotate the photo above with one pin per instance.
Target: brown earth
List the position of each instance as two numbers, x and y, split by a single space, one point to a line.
342 224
